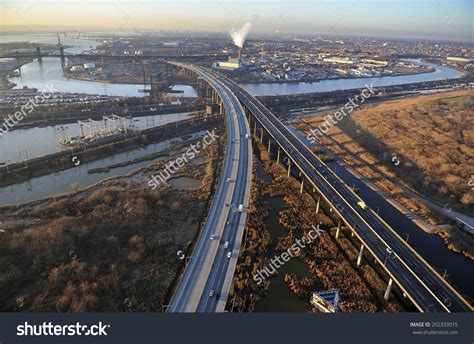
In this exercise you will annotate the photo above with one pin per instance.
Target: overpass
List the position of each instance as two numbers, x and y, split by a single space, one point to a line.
418 281
205 285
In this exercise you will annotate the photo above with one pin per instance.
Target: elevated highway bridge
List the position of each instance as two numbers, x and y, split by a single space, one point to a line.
421 283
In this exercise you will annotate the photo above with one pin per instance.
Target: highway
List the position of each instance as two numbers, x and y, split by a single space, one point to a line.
205 284
419 281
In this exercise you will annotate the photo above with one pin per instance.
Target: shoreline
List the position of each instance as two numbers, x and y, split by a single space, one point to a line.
263 82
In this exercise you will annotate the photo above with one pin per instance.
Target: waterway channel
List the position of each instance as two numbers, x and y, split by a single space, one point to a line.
39 141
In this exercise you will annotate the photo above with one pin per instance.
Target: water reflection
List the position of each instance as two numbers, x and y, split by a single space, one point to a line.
263 89
40 141
61 182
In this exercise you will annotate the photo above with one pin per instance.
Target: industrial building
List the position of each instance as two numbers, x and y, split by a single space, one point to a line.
232 65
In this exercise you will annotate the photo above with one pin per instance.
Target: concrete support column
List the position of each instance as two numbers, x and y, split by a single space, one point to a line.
261 135
302 185
38 54
289 167
221 108
255 128
359 259
278 155
389 289
63 59
338 230
269 145
317 204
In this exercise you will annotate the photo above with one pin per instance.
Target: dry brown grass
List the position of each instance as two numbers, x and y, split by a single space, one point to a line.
113 249
432 135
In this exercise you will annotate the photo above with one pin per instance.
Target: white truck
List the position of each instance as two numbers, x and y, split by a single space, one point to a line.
241 208
226 245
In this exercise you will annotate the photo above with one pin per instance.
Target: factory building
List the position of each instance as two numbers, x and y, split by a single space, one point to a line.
232 65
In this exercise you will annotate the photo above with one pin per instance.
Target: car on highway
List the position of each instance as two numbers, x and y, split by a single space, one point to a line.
211 293
241 208
226 244
229 254
212 236
362 204
228 180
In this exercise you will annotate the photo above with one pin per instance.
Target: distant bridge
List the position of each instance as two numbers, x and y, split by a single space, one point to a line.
62 55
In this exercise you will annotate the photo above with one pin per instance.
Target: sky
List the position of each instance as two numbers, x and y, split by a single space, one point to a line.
431 19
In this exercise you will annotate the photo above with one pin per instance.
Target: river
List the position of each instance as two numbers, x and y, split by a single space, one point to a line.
17 144
39 75
62 182
49 71
266 89
44 140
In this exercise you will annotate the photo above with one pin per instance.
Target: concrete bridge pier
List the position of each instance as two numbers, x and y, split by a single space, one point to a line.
38 54
255 128
261 135
208 91
269 146
302 186
278 155
289 168
63 58
389 289
361 252
317 204
201 88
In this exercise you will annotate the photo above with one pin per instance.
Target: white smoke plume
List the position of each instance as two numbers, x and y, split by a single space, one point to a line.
239 35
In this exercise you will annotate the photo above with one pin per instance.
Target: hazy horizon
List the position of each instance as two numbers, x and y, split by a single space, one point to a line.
418 19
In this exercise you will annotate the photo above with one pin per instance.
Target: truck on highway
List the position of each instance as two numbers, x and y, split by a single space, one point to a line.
247 136
226 244
241 208
362 204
